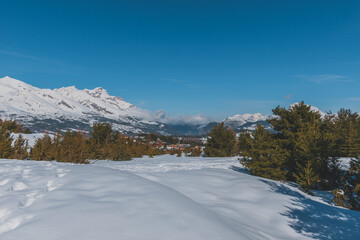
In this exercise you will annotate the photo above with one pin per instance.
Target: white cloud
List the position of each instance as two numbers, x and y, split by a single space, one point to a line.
21 55
161 116
323 78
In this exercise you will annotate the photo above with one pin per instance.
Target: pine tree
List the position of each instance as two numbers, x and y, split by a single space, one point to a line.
55 151
121 149
299 131
101 139
101 133
21 147
11 126
347 129
73 148
42 149
306 177
263 155
329 168
221 142
6 149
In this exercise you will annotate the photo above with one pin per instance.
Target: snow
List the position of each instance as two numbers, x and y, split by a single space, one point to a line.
241 119
20 98
29 104
165 197
345 163
248 117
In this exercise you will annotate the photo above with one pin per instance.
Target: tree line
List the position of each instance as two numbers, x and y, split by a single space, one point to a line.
302 147
76 147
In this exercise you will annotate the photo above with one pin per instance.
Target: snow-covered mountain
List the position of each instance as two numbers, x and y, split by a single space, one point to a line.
239 120
74 109
70 108
18 97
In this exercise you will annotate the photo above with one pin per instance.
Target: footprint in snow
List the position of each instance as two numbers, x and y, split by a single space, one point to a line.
50 186
60 173
17 168
30 198
13 223
3 215
18 186
25 173
4 182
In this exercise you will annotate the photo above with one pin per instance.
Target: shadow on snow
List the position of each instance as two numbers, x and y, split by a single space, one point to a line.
315 219
318 220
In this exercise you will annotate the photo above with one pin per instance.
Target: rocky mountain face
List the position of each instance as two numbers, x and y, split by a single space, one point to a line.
70 108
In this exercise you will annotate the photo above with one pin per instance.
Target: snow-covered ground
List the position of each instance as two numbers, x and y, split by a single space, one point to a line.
165 197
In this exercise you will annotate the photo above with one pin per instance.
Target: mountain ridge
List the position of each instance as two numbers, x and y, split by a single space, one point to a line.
66 108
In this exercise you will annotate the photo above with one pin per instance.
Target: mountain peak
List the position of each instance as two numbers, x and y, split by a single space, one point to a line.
13 83
98 92
67 89
99 89
7 78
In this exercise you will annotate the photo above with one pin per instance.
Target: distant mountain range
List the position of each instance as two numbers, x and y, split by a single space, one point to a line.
70 108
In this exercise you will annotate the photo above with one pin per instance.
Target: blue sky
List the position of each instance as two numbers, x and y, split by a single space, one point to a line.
216 58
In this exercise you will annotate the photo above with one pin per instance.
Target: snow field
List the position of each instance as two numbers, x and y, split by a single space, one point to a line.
165 197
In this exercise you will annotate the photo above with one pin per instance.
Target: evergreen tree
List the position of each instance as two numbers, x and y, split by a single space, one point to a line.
73 148
221 142
347 129
11 126
6 149
100 141
263 155
245 141
329 164
101 133
55 151
42 149
21 147
299 131
121 148
306 177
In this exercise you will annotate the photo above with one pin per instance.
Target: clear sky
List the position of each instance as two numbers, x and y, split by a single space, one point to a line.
216 58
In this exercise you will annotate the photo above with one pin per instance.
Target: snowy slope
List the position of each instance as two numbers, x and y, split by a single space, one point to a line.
20 98
70 108
160 198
